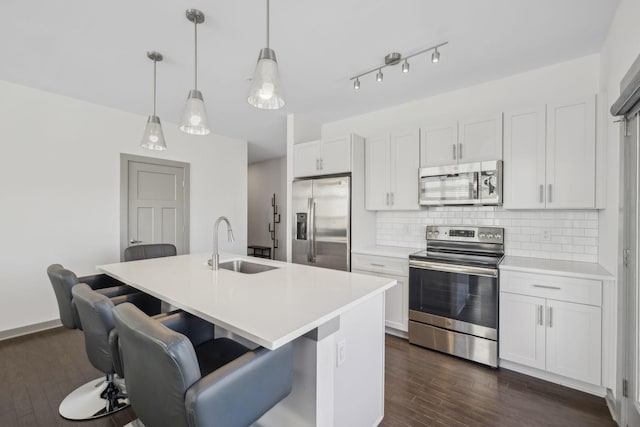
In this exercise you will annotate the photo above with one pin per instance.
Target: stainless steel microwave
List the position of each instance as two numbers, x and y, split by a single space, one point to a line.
462 184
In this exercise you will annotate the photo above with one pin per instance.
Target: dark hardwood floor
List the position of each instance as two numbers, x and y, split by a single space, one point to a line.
427 388
423 388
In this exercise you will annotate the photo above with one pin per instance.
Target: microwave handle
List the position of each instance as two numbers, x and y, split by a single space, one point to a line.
476 185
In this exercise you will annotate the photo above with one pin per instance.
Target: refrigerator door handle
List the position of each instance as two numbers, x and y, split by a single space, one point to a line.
309 230
313 231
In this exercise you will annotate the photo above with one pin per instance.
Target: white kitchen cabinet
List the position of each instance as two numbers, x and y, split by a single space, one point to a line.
306 157
553 324
322 157
574 340
522 332
439 144
391 170
397 298
480 139
462 141
549 156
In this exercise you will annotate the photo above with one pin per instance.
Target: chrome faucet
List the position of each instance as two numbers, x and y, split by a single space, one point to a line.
215 257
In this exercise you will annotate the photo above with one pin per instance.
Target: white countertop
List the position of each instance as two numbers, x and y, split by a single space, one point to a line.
586 270
387 251
269 308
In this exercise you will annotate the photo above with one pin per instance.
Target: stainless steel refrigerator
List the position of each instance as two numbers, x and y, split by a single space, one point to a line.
322 222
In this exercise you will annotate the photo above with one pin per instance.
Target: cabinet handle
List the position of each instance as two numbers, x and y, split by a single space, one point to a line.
547 287
541 193
454 151
550 193
377 265
317 164
550 317
459 151
540 315
321 164
387 199
391 198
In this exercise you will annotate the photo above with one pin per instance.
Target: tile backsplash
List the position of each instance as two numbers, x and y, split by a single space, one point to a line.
553 234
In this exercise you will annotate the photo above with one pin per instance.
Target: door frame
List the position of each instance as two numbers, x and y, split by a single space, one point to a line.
124 195
630 307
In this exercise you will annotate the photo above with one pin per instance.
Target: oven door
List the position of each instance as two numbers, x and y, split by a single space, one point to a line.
455 297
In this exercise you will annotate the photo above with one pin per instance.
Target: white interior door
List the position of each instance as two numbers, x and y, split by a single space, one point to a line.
629 275
156 199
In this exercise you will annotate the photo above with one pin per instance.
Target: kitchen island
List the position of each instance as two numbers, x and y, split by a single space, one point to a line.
334 318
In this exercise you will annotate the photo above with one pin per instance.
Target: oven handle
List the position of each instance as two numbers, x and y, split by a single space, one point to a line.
452 268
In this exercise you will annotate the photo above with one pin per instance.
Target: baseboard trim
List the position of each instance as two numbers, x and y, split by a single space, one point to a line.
396 332
558 379
29 329
612 404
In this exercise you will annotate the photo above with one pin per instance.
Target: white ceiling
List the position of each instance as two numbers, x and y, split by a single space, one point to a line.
96 51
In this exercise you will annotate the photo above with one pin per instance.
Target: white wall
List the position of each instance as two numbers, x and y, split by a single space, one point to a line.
265 179
571 237
619 51
60 180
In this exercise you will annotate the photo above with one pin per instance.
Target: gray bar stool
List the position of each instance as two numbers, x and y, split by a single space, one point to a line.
178 382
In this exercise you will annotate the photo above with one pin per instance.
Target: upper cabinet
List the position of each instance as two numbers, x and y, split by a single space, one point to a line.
322 157
462 141
549 156
391 171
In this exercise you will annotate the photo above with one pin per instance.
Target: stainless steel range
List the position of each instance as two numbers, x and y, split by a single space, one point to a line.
453 292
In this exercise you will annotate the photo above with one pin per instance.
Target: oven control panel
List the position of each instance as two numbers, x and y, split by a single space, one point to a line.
466 234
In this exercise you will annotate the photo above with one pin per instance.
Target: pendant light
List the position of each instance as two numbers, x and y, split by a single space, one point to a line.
266 89
194 118
153 137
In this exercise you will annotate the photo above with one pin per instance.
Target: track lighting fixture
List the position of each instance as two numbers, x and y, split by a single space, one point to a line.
266 89
194 118
395 58
153 137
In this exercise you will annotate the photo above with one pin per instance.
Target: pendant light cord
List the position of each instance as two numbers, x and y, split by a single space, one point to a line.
195 34
154 86
267 23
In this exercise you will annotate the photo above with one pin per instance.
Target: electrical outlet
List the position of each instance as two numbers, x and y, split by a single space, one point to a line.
341 352
546 235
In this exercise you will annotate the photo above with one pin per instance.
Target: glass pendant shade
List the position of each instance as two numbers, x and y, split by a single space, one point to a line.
266 90
194 118
153 137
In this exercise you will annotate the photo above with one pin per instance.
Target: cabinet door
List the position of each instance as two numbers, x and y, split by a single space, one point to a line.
571 150
574 342
396 308
480 139
405 162
336 155
439 145
306 159
524 158
396 305
377 173
522 330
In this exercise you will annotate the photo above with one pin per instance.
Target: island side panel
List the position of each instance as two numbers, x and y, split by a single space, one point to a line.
359 380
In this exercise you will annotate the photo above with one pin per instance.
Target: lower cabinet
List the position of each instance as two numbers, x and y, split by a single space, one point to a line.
552 323
397 298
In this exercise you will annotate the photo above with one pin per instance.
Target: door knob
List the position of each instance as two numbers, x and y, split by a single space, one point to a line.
134 241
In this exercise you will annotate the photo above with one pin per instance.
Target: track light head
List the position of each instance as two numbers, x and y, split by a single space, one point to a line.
356 84
379 75
405 66
435 56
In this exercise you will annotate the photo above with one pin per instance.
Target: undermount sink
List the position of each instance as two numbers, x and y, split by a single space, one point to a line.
246 267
